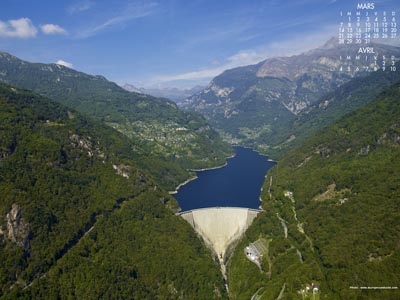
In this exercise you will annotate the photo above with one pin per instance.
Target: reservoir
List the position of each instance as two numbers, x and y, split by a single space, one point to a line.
237 184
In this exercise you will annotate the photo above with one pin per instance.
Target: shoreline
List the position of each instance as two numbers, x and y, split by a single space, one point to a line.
262 154
208 169
182 184
199 170
214 168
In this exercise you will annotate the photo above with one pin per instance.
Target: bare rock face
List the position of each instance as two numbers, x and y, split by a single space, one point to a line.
266 97
86 144
123 170
82 143
17 229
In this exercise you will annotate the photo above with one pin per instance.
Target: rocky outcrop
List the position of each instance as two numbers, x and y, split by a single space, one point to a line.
364 150
86 144
82 142
268 96
220 92
17 228
123 170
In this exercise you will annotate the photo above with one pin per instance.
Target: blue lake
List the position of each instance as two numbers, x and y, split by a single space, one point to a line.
237 184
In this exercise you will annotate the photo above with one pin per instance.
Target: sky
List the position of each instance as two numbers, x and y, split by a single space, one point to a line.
167 43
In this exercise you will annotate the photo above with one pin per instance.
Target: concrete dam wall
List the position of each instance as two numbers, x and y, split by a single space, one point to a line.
220 226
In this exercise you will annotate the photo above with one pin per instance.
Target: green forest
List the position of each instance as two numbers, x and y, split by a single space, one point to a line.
172 139
346 98
85 170
338 196
81 220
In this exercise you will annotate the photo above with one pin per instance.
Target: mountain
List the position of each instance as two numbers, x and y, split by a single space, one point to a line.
80 220
173 93
132 88
251 104
331 214
331 107
157 126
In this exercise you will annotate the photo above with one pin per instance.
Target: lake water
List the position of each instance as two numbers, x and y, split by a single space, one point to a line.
238 184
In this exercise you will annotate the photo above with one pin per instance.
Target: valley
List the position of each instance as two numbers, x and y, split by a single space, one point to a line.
227 151
161 133
236 184
258 105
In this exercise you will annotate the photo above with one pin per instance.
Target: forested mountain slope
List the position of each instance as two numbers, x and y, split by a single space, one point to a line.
251 105
157 126
332 213
348 97
80 220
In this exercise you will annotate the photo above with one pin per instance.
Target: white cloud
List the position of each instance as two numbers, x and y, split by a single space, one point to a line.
79 7
242 58
207 73
246 57
64 63
52 29
20 28
139 10
286 47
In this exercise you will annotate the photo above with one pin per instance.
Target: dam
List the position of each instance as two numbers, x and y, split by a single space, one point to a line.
222 203
220 227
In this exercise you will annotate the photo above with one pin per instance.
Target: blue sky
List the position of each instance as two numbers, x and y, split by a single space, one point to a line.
166 42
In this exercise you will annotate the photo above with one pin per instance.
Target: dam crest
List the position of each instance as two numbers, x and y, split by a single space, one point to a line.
220 227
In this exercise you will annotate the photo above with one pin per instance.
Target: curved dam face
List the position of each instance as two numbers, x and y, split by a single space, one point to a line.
220 226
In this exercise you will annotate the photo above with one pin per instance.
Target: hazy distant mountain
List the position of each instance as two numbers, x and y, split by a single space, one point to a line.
250 104
173 93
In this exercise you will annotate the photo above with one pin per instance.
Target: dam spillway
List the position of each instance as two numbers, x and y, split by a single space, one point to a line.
220 227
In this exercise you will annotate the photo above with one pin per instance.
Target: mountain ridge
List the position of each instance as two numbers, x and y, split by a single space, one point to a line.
172 93
249 104
78 216
157 126
336 195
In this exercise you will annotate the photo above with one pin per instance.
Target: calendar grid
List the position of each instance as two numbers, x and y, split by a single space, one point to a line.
360 29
